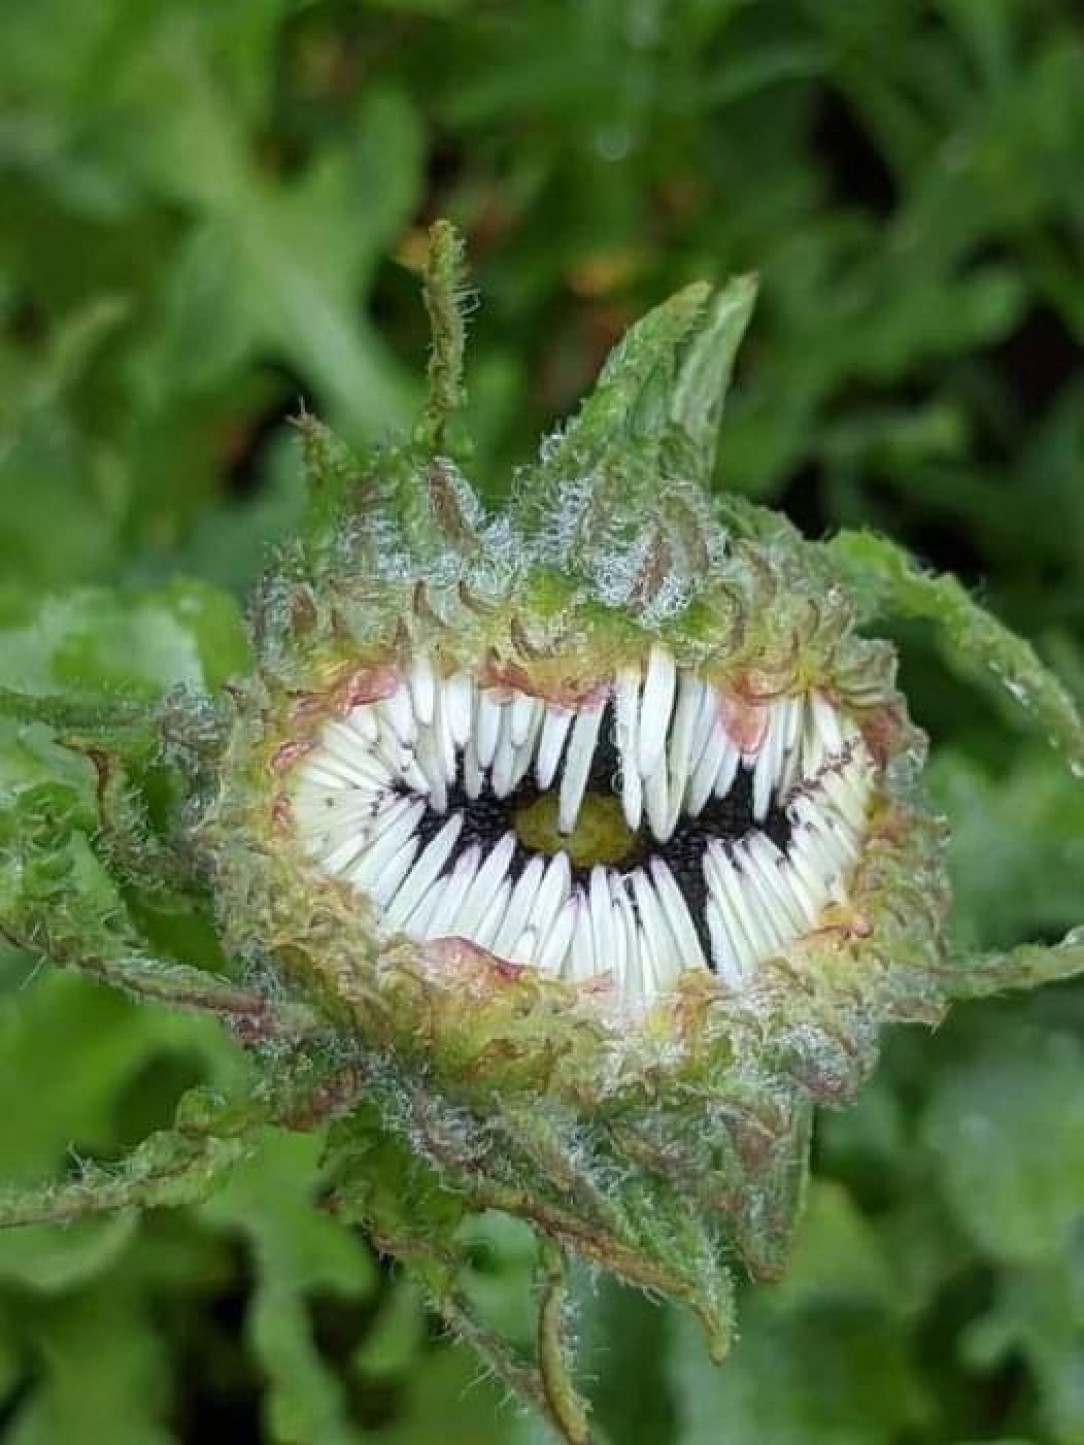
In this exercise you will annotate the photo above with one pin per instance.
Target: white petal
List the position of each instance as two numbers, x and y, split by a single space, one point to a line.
581 752
552 950
384 845
473 777
522 713
602 920
552 893
519 906
633 985
487 727
676 912
494 914
442 732
763 778
762 901
431 765
417 925
423 687
683 735
826 721
363 720
663 953
555 726
702 781
725 888
657 800
398 711
525 750
442 924
580 963
656 706
849 794
768 864
393 873
427 869
488 879
504 758
725 956
459 704
728 768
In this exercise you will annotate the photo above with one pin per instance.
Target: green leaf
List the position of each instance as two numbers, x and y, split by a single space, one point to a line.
1006 1129
296 1252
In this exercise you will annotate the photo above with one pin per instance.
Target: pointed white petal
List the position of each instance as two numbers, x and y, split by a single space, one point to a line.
676 913
398 711
726 957
763 779
580 963
417 925
504 758
442 924
663 952
487 880
491 919
394 872
702 781
826 721
522 711
683 735
487 727
656 706
385 844
363 720
473 777
519 906
552 950
725 888
555 726
423 686
657 800
551 894
581 752
459 705
631 983
767 864
525 751
427 869
602 920
431 765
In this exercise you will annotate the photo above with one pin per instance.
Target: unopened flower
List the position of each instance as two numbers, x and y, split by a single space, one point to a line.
587 836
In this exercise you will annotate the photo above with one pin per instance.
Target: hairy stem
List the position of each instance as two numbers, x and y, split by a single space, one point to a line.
888 580
171 1168
444 285
564 1405
148 978
126 726
1028 966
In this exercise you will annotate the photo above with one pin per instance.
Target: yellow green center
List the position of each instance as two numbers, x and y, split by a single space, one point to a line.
601 834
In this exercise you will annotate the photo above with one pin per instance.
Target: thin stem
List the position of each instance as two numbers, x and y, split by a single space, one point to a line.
520 1379
178 985
1029 966
564 1405
444 289
130 726
169 1169
888 580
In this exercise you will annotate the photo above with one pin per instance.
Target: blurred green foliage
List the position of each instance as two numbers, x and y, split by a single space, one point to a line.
212 213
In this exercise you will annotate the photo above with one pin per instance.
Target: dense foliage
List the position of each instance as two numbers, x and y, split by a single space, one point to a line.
214 213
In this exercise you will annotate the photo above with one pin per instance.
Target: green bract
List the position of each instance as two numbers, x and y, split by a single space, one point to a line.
666 1138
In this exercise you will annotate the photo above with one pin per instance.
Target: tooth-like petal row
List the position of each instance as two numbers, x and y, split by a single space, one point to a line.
388 798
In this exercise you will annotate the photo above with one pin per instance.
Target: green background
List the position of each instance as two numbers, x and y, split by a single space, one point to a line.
213 211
